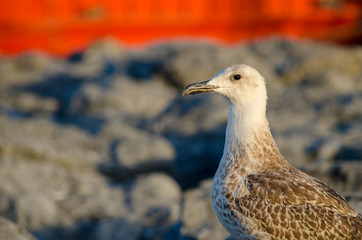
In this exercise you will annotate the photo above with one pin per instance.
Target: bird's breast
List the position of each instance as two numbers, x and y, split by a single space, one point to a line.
223 195
222 207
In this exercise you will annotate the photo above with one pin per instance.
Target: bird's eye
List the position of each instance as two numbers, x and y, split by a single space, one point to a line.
237 77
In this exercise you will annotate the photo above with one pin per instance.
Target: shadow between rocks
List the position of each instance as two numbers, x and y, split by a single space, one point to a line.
112 229
63 86
198 157
105 229
120 173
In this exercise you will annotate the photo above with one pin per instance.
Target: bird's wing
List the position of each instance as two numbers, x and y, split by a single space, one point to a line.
293 187
290 204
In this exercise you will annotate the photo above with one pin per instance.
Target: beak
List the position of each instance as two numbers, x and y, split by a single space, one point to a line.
200 87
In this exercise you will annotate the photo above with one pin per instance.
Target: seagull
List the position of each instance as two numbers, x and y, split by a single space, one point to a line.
256 193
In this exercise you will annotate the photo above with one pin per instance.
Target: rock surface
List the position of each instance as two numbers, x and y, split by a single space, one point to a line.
103 146
10 231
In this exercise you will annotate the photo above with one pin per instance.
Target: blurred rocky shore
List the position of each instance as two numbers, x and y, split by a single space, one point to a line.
102 145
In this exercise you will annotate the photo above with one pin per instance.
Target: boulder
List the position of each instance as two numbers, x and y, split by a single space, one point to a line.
49 175
124 96
153 205
40 140
133 152
11 231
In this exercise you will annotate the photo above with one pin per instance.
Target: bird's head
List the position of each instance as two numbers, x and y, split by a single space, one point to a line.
241 84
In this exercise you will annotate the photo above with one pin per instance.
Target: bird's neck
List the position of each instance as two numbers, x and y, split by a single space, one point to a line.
245 122
249 145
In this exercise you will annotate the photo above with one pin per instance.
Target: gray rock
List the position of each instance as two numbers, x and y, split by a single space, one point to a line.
122 96
134 152
155 198
293 60
196 128
39 140
49 176
190 62
11 231
25 104
324 150
104 50
100 59
153 205
27 69
345 177
41 195
144 151
16 74
188 116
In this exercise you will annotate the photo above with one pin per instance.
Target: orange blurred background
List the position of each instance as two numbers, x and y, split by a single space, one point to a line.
63 26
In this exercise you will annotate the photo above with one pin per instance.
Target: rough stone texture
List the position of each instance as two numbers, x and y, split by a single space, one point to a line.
48 175
122 96
11 231
162 195
41 141
103 146
132 152
153 204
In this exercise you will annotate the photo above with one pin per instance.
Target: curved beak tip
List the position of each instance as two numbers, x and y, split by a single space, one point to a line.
196 88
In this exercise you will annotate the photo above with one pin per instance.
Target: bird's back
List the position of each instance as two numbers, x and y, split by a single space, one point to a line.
286 203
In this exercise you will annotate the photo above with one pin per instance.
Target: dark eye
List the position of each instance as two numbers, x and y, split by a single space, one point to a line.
237 77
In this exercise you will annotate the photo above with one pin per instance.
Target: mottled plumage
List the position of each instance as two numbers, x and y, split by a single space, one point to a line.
256 194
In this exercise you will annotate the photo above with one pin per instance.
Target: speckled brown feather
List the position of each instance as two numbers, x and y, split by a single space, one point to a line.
278 201
289 204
